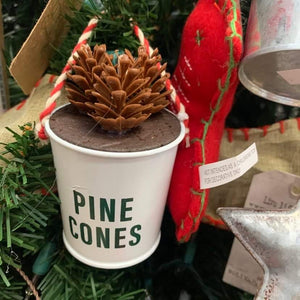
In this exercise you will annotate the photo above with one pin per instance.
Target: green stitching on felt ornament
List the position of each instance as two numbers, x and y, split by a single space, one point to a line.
191 217
197 163
202 194
197 193
224 6
198 37
214 110
194 192
232 22
182 225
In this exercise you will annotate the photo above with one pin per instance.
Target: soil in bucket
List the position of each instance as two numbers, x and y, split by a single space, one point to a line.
158 130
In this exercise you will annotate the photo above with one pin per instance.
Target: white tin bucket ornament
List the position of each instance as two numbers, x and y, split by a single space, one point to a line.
112 203
271 64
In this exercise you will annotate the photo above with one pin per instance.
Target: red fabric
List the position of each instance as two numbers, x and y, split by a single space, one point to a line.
205 78
42 134
21 104
47 111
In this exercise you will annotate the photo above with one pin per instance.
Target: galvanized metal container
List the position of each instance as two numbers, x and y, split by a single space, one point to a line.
271 64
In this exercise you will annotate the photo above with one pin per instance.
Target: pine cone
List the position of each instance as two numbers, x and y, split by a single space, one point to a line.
121 96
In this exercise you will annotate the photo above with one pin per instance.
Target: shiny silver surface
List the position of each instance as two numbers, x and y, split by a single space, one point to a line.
271 64
273 239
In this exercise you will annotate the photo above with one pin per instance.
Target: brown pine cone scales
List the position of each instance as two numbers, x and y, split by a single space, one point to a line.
118 97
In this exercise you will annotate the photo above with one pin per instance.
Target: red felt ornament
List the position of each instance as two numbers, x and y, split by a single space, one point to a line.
205 78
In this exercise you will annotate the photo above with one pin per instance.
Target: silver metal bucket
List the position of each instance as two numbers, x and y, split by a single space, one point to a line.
271 64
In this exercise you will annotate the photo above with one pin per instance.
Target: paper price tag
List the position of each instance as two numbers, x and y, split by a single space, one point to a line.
224 171
268 190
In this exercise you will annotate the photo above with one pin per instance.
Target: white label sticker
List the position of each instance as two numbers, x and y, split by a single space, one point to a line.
224 171
268 190
291 76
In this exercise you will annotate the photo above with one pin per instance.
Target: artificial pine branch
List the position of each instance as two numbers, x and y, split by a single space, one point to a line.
70 279
27 202
14 291
29 219
114 29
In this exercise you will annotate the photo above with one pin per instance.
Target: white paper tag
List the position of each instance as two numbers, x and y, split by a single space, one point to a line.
268 190
291 76
224 171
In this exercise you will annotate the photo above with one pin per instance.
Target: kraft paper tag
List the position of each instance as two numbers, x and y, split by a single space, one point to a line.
33 58
268 190
224 171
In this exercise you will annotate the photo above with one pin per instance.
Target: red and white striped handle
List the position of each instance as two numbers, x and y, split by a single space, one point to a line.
60 81
179 107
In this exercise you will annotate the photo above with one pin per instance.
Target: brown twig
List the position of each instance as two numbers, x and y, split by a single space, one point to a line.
30 284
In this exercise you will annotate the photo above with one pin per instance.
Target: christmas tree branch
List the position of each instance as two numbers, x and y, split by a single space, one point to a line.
29 219
25 208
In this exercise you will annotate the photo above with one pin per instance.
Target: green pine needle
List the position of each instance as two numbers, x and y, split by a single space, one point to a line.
70 279
25 211
12 292
29 218
4 278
